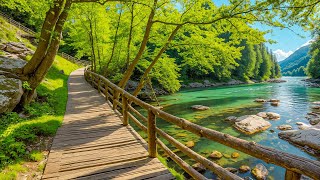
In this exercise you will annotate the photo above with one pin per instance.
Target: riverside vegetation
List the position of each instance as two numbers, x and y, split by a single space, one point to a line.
160 43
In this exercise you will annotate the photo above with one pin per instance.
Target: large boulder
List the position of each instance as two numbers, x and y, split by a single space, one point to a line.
308 137
10 93
251 124
11 63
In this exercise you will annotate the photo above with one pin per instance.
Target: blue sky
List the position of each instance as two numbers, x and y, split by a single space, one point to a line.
287 40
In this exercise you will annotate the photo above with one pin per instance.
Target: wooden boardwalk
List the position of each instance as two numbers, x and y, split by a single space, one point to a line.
92 143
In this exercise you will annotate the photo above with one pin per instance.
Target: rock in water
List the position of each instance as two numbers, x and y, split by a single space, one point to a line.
10 93
262 114
274 100
199 167
244 168
190 144
274 103
313 118
316 103
284 127
200 107
260 172
273 116
235 155
231 119
260 100
309 137
216 155
251 124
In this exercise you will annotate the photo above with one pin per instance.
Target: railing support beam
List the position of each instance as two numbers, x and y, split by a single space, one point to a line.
152 146
125 111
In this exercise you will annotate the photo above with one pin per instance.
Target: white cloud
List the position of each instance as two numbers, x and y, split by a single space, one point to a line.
281 55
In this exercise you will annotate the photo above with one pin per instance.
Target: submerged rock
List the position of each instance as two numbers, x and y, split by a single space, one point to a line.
235 155
308 137
251 124
231 119
190 144
260 172
216 155
244 169
200 107
273 116
274 103
284 127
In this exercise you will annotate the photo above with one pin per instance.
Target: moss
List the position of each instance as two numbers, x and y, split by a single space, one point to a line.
177 175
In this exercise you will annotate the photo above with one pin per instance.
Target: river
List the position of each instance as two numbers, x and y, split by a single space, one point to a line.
295 102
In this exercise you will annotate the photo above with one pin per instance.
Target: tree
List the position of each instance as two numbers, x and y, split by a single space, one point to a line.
313 67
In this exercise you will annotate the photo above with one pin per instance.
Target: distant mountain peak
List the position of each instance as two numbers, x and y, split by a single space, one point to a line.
294 64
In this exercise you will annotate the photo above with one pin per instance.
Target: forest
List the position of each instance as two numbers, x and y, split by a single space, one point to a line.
163 43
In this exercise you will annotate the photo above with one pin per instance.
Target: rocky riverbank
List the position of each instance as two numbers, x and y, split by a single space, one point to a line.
313 82
232 82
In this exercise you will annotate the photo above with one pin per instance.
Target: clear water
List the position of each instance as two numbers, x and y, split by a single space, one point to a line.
295 103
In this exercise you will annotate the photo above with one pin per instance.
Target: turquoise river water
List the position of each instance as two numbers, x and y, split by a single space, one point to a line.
295 101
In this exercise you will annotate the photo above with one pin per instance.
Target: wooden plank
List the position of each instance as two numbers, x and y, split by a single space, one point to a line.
92 142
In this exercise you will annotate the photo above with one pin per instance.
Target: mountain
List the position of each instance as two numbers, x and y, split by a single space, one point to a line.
295 64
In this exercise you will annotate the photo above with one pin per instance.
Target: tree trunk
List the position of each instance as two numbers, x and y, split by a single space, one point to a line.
44 65
48 26
143 45
155 60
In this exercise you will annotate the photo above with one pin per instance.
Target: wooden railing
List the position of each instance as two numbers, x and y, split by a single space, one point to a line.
17 24
295 165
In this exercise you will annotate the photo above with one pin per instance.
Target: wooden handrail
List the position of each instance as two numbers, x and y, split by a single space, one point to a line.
295 165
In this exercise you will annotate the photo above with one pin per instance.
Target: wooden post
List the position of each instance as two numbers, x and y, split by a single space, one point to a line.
290 175
152 146
114 100
106 92
99 81
125 110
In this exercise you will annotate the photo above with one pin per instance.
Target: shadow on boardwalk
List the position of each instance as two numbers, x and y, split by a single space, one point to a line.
93 144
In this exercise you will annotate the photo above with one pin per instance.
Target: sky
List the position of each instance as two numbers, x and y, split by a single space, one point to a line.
287 41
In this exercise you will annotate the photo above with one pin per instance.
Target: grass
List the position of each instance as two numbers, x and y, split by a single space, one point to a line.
44 118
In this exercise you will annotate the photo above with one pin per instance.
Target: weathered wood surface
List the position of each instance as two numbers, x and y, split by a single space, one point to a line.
92 143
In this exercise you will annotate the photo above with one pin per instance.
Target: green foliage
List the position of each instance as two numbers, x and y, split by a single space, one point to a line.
36 156
43 118
166 74
313 68
26 85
